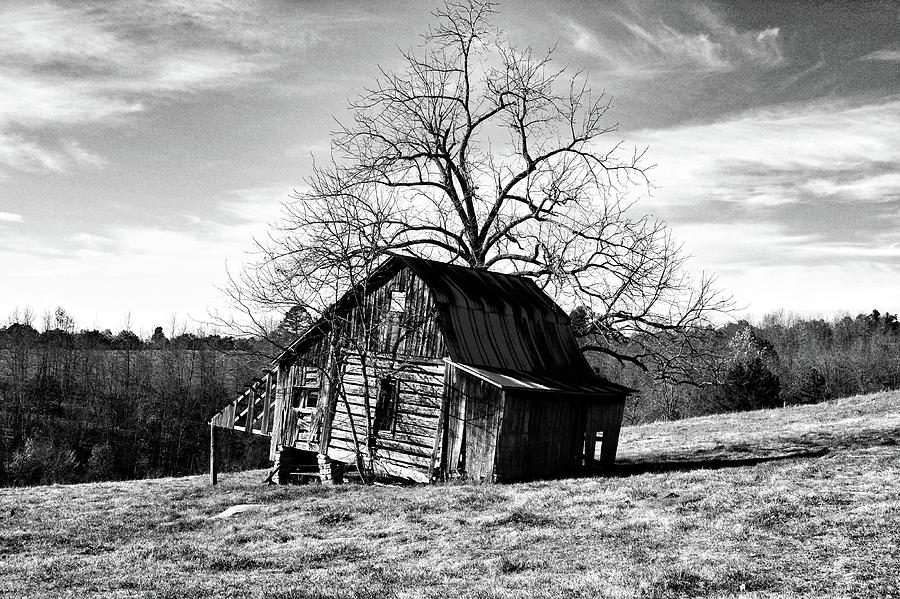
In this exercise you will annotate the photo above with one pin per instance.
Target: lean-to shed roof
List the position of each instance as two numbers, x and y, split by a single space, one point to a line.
524 382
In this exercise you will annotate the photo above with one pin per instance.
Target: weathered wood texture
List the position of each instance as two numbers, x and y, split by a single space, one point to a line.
252 411
501 321
608 418
439 435
405 335
287 423
474 412
213 450
379 327
409 443
298 426
278 416
542 436
398 327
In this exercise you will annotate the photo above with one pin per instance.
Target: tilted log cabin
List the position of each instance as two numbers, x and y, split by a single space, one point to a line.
428 370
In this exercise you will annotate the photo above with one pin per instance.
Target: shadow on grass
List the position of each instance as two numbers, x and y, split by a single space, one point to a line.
810 444
626 468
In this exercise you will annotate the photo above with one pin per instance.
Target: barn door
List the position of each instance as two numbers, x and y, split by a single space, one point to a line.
602 426
456 426
593 433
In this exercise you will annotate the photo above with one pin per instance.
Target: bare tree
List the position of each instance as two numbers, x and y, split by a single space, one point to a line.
489 155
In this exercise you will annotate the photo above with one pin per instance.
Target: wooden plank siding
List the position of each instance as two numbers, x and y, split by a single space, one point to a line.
474 412
251 412
278 409
541 436
410 442
609 423
464 352
298 429
414 331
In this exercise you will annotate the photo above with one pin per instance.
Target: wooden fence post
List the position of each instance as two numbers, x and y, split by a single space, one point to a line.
213 443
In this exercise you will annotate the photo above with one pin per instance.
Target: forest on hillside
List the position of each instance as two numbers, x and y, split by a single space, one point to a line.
87 405
782 360
91 405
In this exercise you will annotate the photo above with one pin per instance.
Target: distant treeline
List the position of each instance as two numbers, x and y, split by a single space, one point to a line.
92 405
782 360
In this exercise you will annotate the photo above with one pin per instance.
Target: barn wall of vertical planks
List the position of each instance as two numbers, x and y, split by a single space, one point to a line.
428 370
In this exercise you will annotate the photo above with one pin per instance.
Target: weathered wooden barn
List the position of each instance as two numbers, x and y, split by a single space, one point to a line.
428 371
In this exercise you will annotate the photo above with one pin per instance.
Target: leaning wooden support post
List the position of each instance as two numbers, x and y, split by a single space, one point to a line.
213 443
439 435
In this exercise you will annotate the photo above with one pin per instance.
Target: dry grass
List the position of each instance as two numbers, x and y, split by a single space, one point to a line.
782 503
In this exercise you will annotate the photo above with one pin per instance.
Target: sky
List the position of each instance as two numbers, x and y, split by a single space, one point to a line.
143 146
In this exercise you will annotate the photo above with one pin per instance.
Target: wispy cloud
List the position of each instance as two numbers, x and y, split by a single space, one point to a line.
91 241
730 246
637 41
885 55
32 100
81 156
56 37
256 205
70 65
724 247
20 153
884 187
23 154
10 217
766 156
781 196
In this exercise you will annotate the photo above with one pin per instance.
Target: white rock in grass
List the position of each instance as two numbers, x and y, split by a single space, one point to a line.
236 509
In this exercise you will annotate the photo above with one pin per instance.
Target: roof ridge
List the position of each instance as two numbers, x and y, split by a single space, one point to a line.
466 266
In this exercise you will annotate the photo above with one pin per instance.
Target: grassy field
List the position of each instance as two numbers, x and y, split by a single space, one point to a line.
795 502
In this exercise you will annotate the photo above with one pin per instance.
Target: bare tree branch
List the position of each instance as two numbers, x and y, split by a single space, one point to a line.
491 155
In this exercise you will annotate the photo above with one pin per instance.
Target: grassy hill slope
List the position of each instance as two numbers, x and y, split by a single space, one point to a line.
802 501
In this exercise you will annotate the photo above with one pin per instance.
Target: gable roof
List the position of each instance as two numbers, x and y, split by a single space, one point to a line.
499 323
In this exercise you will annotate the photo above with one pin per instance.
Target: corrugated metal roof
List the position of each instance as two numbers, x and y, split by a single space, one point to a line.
501 322
503 325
